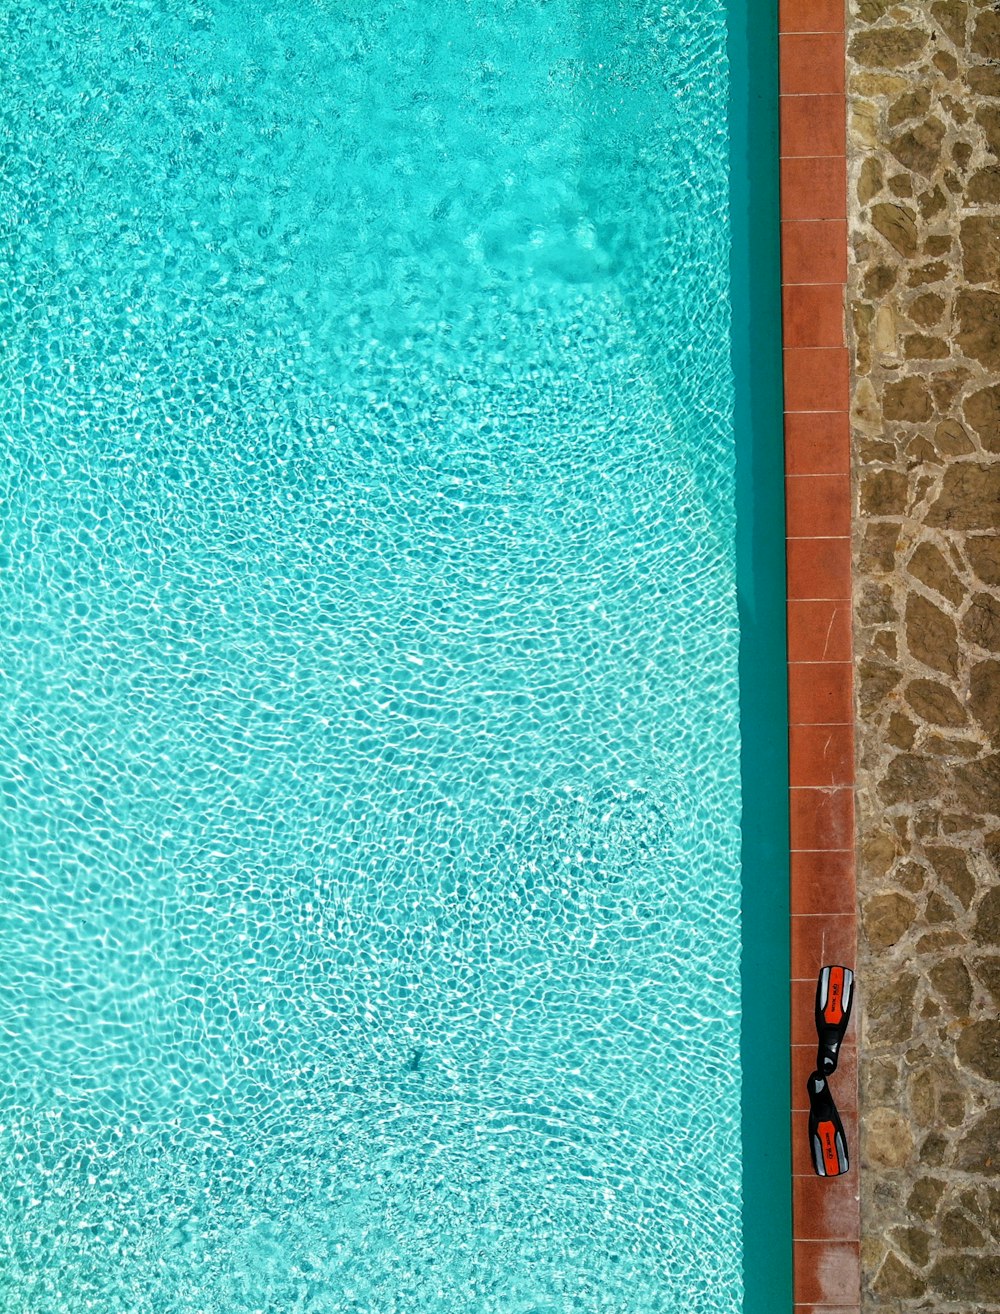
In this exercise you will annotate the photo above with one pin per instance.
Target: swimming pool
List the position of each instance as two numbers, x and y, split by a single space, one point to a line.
373 751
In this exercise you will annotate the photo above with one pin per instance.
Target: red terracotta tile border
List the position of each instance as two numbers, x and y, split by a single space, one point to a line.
813 315
810 125
826 1272
810 15
820 674
818 442
821 755
823 883
816 378
813 188
819 506
812 63
819 630
814 249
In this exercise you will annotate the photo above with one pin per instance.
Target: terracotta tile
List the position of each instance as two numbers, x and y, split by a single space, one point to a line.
820 693
810 15
822 818
814 188
819 568
823 882
813 315
826 1208
816 379
827 1272
813 125
826 1309
812 63
821 755
819 630
818 506
818 443
843 1083
818 940
814 251
814 267
803 1003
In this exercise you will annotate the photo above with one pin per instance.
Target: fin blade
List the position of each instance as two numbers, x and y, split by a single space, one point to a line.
834 997
827 1140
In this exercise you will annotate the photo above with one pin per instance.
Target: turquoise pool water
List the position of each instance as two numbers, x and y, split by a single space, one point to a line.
370 732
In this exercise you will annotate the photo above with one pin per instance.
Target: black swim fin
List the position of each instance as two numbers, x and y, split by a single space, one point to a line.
826 1132
834 996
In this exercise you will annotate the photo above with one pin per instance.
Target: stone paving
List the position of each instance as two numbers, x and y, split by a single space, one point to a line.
924 312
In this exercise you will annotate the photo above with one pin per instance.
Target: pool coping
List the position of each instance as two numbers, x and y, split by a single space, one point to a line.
814 255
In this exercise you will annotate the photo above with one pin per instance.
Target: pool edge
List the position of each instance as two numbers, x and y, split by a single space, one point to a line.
826 1213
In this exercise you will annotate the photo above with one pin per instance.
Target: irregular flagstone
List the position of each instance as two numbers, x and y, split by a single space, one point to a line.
987 969
920 148
924 1197
924 223
890 1016
984 696
969 498
952 866
953 16
895 1279
912 105
888 47
887 1139
897 224
884 493
981 623
950 439
952 981
887 918
926 310
986 930
980 238
909 399
909 776
876 680
984 186
915 1244
986 35
929 565
983 80
935 702
983 553
988 118
977 785
931 634
959 1232
978 1048
945 386
977 1151
978 315
967 1277
982 411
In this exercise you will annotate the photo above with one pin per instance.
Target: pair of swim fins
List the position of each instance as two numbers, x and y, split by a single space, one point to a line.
834 997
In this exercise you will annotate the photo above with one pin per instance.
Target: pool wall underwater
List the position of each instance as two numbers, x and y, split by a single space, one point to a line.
756 309
756 279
